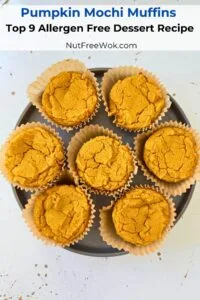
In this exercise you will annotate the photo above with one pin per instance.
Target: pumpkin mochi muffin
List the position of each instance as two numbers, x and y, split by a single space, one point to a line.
104 163
141 216
170 153
62 213
69 98
136 101
33 157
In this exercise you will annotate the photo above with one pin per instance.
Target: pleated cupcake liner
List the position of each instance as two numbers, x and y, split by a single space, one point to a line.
109 235
28 218
113 75
36 89
83 136
171 188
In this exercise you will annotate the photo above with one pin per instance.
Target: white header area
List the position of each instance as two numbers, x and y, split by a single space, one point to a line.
110 27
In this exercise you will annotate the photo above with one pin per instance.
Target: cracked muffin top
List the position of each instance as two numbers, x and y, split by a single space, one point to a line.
62 213
33 157
136 102
69 98
104 163
141 216
170 153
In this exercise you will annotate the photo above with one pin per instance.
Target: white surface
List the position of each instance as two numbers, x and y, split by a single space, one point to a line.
71 276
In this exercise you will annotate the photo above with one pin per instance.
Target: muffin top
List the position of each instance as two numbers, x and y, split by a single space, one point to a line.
104 163
136 101
170 153
62 213
141 216
33 157
69 98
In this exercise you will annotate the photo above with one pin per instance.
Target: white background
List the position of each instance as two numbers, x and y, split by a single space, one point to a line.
73 277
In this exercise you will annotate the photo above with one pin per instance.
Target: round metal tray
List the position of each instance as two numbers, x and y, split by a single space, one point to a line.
92 244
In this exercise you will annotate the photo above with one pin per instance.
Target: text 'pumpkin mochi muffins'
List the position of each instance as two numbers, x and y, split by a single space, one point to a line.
33 156
60 215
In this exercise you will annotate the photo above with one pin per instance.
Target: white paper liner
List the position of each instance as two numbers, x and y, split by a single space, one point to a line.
109 235
77 142
119 73
36 88
176 188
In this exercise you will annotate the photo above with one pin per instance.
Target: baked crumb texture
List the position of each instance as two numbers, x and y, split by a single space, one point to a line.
62 213
69 98
170 154
34 157
104 163
141 216
136 102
